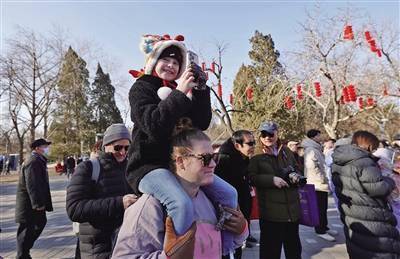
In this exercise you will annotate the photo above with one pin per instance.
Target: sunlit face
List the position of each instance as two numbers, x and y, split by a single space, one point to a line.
167 68
248 146
293 147
268 139
192 168
119 149
329 145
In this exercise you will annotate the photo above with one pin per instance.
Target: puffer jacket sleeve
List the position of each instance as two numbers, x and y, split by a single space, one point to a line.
201 109
374 183
81 204
259 180
154 117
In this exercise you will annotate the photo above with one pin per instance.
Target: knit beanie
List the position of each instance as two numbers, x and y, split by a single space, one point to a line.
155 46
115 132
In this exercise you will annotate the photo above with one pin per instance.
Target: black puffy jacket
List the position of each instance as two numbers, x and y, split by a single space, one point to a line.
97 206
155 120
369 224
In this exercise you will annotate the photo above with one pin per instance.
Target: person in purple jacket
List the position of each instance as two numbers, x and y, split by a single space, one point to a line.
147 230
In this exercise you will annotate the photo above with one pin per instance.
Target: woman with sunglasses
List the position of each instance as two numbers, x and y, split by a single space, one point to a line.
146 230
98 201
278 198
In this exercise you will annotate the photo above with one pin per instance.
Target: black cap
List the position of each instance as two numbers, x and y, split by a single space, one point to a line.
39 142
173 52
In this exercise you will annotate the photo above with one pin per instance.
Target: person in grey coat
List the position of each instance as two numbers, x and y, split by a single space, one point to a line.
314 170
33 198
362 190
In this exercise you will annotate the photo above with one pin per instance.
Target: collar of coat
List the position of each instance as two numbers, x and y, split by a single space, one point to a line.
157 82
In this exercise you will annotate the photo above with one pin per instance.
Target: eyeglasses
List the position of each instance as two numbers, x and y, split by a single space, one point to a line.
118 148
265 134
205 158
251 143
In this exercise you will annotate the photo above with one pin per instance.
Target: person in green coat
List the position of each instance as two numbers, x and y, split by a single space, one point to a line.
278 197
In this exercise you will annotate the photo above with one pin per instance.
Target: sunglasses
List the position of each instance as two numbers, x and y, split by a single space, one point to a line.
118 148
265 134
251 143
206 158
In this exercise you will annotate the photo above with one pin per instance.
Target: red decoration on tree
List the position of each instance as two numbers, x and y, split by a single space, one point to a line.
348 33
289 102
368 36
317 87
249 94
379 53
299 92
370 101
345 94
360 103
203 66
385 91
219 90
372 45
213 67
352 93
231 99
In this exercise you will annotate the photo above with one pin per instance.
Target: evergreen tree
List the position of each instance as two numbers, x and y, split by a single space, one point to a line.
267 79
71 126
103 103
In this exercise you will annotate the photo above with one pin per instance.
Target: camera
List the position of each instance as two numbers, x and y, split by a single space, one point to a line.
293 178
200 77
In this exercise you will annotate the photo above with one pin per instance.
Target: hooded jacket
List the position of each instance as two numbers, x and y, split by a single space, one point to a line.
314 165
369 224
154 121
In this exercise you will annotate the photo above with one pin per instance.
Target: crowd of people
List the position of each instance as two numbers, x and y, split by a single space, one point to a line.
162 191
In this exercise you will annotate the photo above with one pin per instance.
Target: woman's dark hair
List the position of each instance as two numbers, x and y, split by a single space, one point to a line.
182 140
365 140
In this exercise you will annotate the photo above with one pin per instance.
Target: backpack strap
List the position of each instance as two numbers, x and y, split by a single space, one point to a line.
95 169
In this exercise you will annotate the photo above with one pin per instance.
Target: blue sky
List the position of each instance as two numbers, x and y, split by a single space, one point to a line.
117 25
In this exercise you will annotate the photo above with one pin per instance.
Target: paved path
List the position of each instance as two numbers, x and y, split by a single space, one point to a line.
58 241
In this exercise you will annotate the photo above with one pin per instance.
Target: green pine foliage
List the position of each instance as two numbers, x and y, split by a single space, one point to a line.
265 75
71 128
104 108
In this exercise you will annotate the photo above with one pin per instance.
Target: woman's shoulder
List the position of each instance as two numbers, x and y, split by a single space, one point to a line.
145 207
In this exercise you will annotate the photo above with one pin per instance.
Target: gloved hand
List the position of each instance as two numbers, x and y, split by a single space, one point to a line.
178 247
237 223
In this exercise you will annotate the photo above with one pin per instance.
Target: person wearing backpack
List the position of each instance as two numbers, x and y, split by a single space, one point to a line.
98 194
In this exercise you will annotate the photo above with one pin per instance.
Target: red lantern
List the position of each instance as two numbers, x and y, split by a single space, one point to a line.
379 53
317 87
231 99
345 94
249 94
352 93
299 92
368 36
370 101
373 46
348 33
289 102
203 66
360 103
219 90
213 67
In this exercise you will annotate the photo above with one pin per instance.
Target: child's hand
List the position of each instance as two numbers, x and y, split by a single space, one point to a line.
184 84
